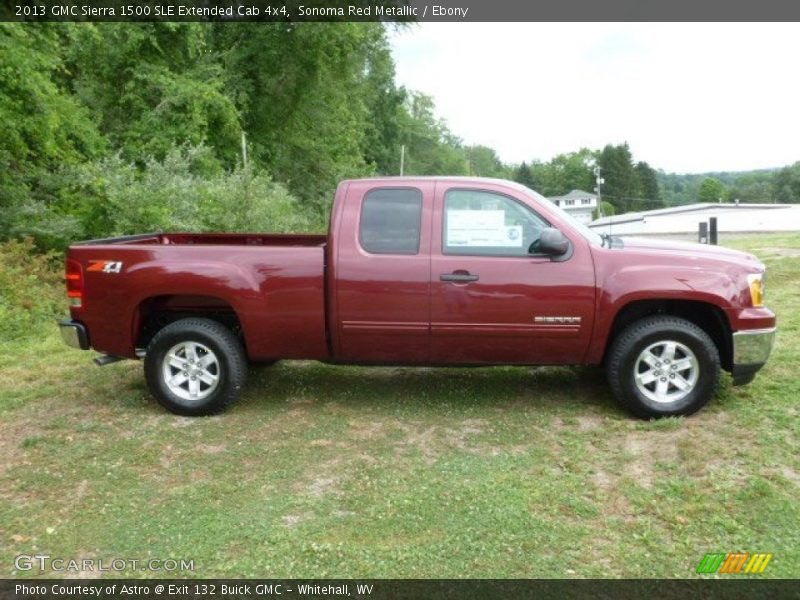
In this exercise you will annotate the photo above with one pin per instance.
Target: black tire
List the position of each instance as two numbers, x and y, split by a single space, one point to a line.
218 382
629 367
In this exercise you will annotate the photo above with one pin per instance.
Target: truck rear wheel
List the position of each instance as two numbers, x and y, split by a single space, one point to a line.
195 367
663 366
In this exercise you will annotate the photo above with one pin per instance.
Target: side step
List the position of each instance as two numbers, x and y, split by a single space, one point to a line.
107 359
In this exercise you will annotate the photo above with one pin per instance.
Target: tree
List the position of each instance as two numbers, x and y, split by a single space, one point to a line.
786 184
712 190
522 174
565 172
384 102
606 209
153 87
45 130
621 183
484 162
648 187
431 148
573 171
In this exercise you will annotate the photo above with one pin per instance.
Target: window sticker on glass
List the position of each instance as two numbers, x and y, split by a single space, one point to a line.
482 228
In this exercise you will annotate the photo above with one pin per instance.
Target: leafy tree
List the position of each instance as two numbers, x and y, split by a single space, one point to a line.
155 86
621 185
431 149
484 162
754 187
385 103
522 174
747 186
786 184
305 91
565 172
648 187
44 129
712 190
573 171
606 209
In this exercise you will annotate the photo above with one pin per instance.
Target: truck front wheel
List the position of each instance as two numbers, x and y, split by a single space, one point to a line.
663 366
195 367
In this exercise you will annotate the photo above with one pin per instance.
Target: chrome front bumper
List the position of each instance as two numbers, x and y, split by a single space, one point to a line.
751 349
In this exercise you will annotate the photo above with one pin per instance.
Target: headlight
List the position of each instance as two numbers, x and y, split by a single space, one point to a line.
756 283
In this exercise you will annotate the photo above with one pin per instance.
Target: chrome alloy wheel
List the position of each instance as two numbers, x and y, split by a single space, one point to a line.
191 371
666 371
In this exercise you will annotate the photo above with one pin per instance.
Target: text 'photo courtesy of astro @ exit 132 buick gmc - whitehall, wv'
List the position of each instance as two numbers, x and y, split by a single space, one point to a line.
423 271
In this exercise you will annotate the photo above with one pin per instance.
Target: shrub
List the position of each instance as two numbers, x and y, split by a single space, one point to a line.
31 289
113 197
608 210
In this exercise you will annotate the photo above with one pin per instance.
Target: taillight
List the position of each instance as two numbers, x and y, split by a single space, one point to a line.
74 278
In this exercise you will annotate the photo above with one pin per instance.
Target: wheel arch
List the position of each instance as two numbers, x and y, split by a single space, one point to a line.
707 316
156 312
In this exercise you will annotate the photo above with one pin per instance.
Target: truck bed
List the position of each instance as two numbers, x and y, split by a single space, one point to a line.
275 285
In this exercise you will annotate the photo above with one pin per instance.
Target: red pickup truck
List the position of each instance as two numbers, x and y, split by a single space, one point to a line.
423 271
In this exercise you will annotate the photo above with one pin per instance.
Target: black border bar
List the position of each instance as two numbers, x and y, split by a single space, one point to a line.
398 589
399 10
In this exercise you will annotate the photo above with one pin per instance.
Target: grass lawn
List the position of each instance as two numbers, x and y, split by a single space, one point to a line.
322 471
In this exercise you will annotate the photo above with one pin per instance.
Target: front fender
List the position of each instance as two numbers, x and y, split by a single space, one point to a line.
636 282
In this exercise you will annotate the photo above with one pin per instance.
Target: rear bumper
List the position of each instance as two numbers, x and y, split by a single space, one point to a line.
751 349
74 334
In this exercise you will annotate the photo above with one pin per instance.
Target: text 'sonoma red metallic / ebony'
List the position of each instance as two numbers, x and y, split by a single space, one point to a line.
424 271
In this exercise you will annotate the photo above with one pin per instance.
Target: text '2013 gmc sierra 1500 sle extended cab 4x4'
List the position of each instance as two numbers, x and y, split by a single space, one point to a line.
423 271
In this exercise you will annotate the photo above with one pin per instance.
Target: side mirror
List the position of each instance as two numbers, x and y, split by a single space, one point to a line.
553 242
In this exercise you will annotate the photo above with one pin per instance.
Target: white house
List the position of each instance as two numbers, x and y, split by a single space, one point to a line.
684 220
578 203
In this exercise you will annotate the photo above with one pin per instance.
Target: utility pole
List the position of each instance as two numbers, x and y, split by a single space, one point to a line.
599 182
244 149
402 158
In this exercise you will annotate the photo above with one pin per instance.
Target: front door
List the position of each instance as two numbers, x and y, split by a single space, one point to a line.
494 300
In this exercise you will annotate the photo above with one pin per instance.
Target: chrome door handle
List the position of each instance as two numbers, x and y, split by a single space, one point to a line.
458 277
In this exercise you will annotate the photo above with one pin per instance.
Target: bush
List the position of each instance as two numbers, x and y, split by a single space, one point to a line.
608 210
113 197
32 291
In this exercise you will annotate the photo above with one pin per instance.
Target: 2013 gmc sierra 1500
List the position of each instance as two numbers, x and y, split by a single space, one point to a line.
423 271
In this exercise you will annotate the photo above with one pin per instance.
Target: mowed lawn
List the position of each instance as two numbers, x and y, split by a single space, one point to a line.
322 471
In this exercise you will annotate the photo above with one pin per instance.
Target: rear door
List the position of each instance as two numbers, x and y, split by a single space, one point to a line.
493 299
383 272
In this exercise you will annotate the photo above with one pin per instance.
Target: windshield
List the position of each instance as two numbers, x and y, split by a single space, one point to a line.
585 231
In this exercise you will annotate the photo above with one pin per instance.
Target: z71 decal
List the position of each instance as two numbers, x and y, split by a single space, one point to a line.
104 266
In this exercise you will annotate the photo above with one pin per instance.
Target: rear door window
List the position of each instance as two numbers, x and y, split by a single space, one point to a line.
391 219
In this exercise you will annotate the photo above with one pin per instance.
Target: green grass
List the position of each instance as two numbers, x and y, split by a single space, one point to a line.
325 471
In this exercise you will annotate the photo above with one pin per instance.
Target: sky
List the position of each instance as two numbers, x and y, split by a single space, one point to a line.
687 97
